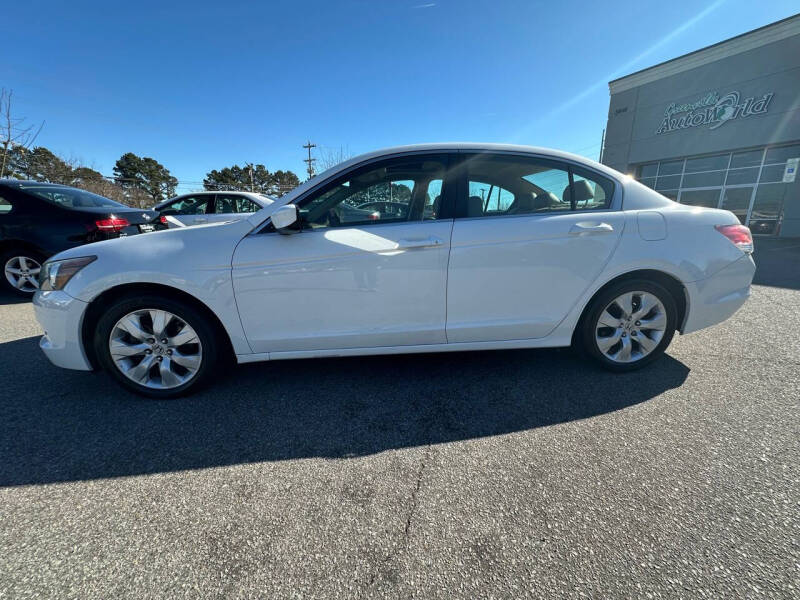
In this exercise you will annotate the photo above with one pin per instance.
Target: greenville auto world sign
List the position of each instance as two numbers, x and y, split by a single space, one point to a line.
712 110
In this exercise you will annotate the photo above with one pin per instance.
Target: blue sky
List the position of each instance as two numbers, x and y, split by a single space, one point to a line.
203 85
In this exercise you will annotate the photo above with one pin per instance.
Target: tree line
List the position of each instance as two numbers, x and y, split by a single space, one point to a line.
139 181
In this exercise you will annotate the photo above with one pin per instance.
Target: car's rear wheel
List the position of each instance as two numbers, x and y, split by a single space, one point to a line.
156 346
629 325
21 271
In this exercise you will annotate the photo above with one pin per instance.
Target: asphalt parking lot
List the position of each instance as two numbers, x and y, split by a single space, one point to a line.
470 475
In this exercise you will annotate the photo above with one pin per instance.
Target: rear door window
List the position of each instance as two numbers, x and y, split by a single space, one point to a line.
232 204
500 185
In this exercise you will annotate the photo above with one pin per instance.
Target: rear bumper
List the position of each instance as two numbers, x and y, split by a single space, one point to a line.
61 316
717 298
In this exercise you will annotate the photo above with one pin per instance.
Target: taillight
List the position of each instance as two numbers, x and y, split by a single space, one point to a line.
376 216
163 220
114 224
739 235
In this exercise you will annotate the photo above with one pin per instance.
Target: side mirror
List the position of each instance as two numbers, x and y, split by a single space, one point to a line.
284 217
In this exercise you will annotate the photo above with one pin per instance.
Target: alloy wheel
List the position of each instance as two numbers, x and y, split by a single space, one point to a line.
22 272
631 327
155 348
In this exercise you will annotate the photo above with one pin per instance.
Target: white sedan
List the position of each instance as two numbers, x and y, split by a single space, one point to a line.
429 248
199 208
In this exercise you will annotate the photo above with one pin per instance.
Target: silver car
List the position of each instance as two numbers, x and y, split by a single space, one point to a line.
208 207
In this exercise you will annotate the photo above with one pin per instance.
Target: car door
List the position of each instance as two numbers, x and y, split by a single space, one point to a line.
188 210
232 207
351 278
531 235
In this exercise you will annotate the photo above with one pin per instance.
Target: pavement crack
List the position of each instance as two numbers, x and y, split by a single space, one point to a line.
414 505
415 495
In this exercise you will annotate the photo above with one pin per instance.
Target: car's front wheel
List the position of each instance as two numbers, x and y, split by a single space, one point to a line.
629 324
21 271
158 347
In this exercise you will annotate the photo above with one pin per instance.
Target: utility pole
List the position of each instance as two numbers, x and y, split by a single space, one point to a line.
252 181
602 146
309 161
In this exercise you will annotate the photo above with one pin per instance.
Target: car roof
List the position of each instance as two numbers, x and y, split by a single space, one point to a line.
21 182
470 147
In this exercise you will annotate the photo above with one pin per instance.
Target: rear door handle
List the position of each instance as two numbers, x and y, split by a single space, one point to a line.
201 220
590 228
427 242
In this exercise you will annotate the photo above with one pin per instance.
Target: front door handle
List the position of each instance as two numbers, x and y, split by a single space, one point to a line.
201 220
590 228
427 242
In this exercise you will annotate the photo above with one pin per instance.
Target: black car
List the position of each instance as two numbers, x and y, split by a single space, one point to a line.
38 220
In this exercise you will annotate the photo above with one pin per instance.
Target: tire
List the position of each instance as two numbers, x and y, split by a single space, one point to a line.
20 265
646 340
145 365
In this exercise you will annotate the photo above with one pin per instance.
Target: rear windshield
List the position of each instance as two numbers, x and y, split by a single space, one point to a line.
70 197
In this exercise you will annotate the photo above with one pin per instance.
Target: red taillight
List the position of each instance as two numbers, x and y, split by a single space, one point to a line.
376 216
163 220
739 235
114 224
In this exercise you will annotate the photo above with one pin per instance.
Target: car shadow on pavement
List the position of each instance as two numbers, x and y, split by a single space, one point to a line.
63 425
9 298
777 262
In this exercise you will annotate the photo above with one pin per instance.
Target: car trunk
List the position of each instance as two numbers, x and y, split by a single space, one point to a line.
108 222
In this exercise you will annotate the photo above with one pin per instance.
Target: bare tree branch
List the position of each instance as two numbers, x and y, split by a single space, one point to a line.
14 133
328 158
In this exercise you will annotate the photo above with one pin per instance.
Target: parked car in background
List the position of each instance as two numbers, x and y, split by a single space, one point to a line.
525 248
38 220
210 207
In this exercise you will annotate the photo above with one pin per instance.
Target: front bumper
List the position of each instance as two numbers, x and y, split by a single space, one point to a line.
61 317
717 298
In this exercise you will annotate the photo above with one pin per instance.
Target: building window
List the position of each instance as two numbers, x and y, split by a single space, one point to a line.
749 183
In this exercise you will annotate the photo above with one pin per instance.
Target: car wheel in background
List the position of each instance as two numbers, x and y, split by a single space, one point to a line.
21 271
156 346
629 325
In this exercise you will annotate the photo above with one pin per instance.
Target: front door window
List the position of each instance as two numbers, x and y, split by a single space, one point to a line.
406 189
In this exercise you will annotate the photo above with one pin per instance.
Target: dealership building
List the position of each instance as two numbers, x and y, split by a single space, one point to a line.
718 127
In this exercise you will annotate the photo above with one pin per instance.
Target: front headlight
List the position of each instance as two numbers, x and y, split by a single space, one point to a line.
55 275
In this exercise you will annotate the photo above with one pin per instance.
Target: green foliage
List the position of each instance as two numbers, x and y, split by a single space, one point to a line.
86 175
132 172
255 178
284 181
38 164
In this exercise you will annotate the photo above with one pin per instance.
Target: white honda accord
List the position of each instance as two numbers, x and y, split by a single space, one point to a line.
428 248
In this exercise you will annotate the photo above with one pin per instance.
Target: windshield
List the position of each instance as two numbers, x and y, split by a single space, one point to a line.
71 197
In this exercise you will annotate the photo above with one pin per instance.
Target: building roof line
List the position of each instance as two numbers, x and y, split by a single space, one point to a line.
740 43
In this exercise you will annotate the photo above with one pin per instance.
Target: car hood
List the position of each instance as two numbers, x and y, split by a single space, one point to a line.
190 246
